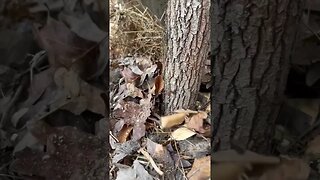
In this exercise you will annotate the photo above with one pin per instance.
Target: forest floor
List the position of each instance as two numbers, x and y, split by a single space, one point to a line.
54 101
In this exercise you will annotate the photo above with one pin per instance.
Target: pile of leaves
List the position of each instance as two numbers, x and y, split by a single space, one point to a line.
143 143
52 73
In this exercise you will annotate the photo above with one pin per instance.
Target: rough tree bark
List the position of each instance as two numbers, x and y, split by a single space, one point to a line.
188 45
252 42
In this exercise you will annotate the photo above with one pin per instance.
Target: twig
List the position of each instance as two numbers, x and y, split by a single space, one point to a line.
180 169
150 159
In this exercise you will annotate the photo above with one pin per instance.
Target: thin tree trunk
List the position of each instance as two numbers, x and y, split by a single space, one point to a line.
252 43
188 44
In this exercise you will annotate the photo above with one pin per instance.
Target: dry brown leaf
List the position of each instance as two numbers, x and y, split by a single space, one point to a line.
196 122
134 114
182 133
201 169
229 171
124 133
313 148
159 84
288 169
63 46
172 120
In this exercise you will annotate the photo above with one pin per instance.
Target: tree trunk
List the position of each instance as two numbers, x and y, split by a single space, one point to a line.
252 43
188 46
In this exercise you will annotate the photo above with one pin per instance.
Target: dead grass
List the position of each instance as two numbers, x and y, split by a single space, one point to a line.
134 31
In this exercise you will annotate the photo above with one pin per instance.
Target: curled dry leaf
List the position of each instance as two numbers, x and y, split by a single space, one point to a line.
172 120
124 133
159 85
196 122
182 133
201 169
